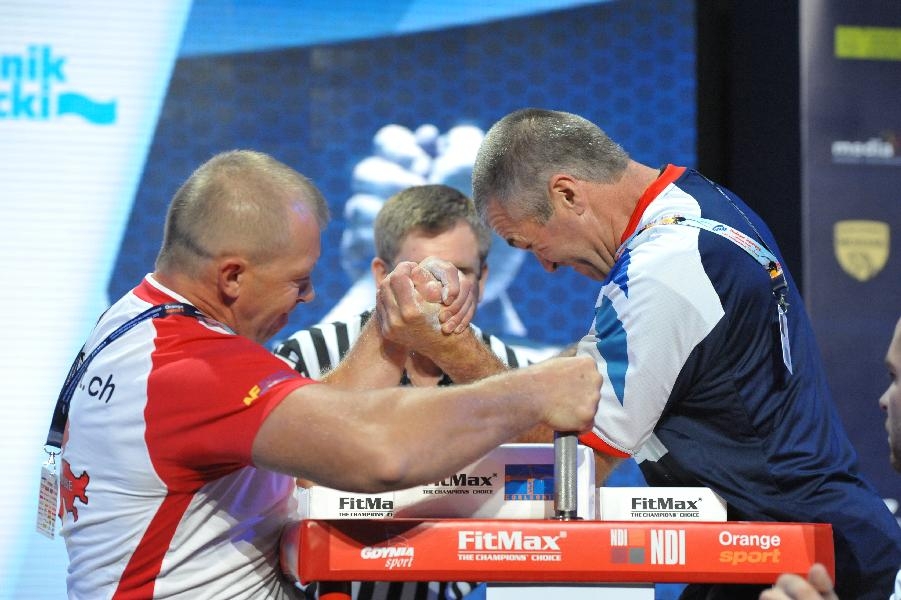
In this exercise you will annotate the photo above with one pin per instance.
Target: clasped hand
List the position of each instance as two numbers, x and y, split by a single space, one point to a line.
418 304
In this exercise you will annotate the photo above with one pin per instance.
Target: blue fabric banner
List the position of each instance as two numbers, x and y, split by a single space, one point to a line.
851 182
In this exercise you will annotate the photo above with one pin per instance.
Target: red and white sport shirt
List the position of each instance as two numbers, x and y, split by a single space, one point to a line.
159 497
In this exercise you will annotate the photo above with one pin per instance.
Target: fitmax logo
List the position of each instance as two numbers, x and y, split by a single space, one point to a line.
464 479
506 541
29 89
346 503
662 503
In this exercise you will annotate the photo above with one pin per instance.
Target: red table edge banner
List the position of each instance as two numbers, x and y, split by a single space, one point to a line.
492 550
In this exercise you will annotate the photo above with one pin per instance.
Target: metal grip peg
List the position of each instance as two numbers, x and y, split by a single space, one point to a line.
566 446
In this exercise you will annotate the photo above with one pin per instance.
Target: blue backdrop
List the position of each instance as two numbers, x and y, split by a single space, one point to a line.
628 66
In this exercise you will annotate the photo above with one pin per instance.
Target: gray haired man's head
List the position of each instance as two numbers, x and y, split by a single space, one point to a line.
525 148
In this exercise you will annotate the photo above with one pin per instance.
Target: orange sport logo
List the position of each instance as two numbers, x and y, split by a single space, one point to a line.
750 548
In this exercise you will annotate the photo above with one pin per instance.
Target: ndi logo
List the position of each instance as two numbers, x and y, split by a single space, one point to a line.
29 85
631 546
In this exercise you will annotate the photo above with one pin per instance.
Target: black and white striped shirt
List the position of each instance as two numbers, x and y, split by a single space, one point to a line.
314 352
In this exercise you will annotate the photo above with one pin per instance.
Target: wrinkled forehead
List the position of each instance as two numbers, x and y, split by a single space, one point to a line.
498 215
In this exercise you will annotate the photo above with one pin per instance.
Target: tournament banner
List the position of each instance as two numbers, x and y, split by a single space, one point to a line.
549 550
851 185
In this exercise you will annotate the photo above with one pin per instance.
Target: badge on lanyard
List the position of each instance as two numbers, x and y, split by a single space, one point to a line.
48 498
783 336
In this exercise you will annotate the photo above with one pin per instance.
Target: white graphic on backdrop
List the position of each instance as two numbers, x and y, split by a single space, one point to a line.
400 158
81 85
34 86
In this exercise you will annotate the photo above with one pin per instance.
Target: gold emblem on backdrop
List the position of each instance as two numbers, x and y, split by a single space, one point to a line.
861 247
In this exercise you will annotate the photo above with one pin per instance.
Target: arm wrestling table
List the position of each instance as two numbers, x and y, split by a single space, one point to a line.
337 551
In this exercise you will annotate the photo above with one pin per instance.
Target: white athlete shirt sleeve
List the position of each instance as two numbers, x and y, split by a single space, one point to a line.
656 306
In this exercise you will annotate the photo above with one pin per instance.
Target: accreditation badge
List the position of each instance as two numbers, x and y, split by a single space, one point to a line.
48 498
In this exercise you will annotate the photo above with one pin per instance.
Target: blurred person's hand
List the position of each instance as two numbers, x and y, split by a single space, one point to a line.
817 586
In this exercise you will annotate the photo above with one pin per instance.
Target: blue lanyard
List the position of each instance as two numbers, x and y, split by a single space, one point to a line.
757 251
80 366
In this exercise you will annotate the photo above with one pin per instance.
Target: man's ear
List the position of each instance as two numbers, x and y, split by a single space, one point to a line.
565 193
230 275
379 268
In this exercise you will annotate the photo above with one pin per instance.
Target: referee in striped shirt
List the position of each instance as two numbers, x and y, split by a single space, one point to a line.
418 222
